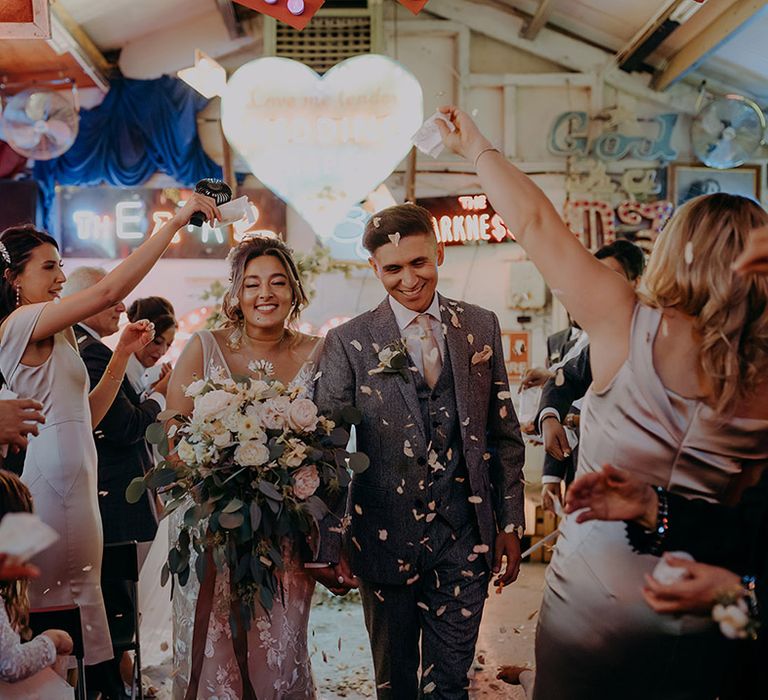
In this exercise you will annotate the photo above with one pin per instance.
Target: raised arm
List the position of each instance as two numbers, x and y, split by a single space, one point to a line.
123 279
601 301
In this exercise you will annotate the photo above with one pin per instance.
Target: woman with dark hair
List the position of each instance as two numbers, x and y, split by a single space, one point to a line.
262 303
39 359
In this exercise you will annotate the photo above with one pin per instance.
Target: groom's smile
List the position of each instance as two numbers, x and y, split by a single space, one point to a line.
407 267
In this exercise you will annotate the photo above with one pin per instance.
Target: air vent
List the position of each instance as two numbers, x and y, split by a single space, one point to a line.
325 41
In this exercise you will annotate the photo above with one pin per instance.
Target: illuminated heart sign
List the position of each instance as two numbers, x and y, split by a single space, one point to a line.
322 143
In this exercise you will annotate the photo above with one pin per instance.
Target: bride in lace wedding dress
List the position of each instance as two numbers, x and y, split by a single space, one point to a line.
264 298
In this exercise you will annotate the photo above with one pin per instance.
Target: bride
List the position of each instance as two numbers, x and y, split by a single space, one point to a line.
263 300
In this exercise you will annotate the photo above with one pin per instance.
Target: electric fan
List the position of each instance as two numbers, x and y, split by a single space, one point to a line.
40 124
728 131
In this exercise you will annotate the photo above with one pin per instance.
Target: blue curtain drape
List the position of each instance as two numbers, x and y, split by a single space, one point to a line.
142 127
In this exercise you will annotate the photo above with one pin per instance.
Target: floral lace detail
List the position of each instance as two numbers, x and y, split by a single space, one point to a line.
19 661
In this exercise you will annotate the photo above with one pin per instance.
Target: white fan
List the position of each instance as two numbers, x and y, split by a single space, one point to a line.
728 131
40 124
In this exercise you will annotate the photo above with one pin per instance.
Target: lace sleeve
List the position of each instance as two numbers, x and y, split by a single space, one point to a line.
19 661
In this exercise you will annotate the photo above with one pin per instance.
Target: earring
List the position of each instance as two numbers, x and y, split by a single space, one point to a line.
18 295
234 341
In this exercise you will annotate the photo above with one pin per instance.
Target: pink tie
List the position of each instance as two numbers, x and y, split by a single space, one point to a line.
430 352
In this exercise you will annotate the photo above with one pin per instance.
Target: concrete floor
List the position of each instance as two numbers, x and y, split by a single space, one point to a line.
339 644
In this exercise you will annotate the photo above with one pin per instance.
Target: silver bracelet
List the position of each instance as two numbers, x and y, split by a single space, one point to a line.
485 150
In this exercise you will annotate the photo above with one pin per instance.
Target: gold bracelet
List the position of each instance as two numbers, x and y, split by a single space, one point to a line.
112 376
485 150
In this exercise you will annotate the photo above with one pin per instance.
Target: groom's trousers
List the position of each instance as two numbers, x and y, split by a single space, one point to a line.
442 608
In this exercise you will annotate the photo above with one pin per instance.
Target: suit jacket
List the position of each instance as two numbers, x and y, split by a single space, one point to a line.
558 344
122 449
577 375
392 433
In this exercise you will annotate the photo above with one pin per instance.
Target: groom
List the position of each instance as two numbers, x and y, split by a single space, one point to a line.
442 501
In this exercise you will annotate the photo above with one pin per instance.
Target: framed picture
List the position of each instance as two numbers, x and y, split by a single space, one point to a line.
688 181
25 19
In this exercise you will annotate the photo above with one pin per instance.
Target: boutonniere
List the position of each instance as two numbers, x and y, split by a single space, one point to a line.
483 356
393 359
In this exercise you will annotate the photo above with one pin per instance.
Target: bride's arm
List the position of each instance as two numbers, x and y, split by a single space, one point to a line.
600 300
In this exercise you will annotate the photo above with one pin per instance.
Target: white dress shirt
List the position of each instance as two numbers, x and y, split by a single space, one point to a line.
411 333
136 375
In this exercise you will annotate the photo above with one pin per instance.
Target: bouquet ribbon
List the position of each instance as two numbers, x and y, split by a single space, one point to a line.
203 610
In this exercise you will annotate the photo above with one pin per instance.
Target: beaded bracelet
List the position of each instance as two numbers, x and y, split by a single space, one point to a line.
662 522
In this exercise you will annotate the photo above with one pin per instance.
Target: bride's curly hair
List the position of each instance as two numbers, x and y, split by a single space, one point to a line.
690 268
253 247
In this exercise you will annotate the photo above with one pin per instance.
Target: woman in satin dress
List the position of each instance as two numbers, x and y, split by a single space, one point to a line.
39 360
679 399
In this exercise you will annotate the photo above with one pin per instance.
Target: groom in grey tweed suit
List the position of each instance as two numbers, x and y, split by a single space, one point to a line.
441 503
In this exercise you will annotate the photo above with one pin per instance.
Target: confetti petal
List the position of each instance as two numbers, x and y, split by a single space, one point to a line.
356 345
394 238
383 534
407 449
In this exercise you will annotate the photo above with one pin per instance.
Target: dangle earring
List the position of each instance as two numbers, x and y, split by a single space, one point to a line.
235 339
18 295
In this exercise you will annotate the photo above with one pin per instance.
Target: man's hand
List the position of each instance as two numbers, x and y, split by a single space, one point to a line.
338 578
535 376
550 493
555 439
18 419
507 545
696 593
612 494
13 568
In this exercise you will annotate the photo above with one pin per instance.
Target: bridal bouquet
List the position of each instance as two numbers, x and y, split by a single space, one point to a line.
249 467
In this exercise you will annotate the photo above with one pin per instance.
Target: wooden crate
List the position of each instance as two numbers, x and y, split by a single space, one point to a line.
546 522
543 554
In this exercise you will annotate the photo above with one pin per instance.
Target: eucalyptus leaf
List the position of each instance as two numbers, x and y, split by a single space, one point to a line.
158 478
136 489
234 505
184 576
193 515
164 447
255 512
339 437
352 415
175 560
276 451
274 506
269 490
231 521
359 462
257 570
155 433
165 573
316 507
265 595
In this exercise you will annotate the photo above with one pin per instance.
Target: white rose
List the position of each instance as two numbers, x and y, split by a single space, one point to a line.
222 439
186 452
259 389
295 453
305 482
195 388
274 412
212 405
302 415
251 454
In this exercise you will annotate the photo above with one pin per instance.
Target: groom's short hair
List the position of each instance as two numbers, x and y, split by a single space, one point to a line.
405 219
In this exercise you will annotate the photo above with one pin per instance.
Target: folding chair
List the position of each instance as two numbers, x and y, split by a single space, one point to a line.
121 564
67 618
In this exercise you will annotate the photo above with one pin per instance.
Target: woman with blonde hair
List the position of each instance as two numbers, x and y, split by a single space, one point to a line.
678 399
261 305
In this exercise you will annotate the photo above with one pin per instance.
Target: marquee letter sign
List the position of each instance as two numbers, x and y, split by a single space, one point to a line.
322 143
296 13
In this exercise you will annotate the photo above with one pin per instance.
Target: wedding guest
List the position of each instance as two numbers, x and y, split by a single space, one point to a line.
122 455
18 660
678 398
38 359
19 419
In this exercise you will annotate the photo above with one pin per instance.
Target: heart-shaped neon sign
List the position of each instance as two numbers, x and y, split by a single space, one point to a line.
322 143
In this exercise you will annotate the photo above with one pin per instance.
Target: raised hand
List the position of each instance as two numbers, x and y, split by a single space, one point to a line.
754 258
18 419
196 202
535 376
466 140
12 568
611 494
695 593
135 336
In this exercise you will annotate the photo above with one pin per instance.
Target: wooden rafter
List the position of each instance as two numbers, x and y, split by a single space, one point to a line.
536 23
706 41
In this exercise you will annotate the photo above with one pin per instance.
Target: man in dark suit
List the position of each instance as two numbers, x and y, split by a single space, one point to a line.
442 501
559 343
122 455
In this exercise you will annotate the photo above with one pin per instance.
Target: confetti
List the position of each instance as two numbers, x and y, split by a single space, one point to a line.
366 390
394 238
427 670
440 610
383 534
475 499
412 580
358 509
471 338
431 517
688 254
455 321
407 449
504 395
533 614
429 687
357 544
380 597
559 377
376 221
456 591
475 112
88 568
164 646
317 376
423 606
356 345
466 613
480 548
503 412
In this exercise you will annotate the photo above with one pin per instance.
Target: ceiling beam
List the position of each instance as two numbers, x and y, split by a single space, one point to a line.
707 41
67 36
647 31
539 19
228 14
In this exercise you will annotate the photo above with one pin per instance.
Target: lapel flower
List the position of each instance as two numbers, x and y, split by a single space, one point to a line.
393 359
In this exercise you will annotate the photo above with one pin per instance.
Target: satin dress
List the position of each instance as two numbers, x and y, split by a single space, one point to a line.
597 639
60 472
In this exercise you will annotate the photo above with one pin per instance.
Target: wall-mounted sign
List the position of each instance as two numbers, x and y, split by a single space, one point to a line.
295 13
414 6
570 136
106 222
322 143
516 353
466 219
